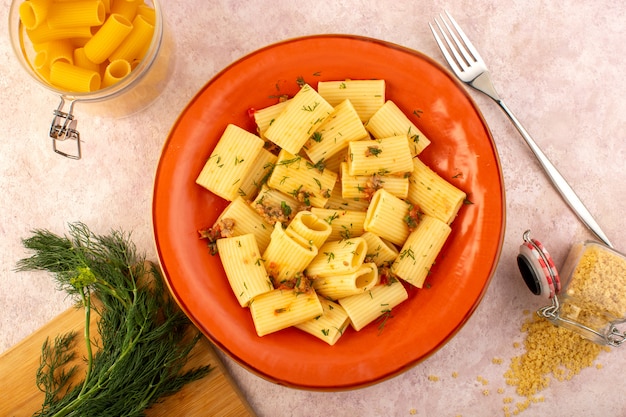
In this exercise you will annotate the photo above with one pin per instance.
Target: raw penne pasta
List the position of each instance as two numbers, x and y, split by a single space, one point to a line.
310 227
364 186
287 255
266 116
336 286
340 127
76 14
133 45
338 257
301 117
72 78
115 71
258 174
389 120
242 219
108 38
379 251
33 13
244 267
330 325
275 206
365 95
230 162
386 217
281 308
296 176
390 155
379 301
434 195
420 250
345 224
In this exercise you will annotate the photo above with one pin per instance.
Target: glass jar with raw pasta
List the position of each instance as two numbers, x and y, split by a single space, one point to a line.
588 296
112 55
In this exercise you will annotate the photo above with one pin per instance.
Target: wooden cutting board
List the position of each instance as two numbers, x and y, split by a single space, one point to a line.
214 395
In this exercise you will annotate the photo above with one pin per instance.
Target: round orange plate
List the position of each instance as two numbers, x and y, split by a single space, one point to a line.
462 151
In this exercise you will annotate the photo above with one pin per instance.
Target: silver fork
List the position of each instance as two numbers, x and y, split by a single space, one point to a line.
470 68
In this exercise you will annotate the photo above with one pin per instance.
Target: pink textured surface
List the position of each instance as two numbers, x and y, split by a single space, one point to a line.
558 66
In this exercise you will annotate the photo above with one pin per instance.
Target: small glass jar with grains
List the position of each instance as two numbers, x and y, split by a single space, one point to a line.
588 295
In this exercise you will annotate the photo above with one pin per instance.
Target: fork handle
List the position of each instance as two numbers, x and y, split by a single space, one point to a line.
566 191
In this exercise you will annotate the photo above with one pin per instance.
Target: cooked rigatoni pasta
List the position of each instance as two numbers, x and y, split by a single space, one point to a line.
389 120
240 219
259 172
340 127
244 267
310 227
73 78
379 301
297 176
364 186
265 117
420 250
333 254
338 257
433 194
387 217
301 117
336 286
108 38
275 206
379 250
281 308
381 156
77 13
230 162
287 254
345 224
366 95
329 326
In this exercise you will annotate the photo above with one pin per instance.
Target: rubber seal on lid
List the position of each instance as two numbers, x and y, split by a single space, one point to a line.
537 268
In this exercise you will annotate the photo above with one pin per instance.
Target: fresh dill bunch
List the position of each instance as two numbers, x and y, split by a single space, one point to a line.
144 343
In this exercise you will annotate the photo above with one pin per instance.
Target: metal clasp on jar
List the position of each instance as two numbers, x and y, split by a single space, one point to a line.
62 128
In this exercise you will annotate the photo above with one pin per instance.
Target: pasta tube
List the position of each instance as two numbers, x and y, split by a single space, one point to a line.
278 309
310 227
366 95
420 250
33 13
76 14
244 219
379 301
389 120
286 255
266 116
72 78
364 186
301 117
434 195
298 177
230 162
244 267
390 155
338 286
379 251
345 224
338 257
108 38
337 202
329 326
133 45
275 206
340 127
386 217
115 71
258 174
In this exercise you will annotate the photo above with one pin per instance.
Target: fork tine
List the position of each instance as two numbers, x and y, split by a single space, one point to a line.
444 49
454 46
468 44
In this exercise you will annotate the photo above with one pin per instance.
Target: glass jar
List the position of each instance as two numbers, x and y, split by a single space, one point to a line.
129 95
588 296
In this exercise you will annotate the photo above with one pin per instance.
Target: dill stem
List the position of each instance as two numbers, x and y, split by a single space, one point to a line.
87 305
